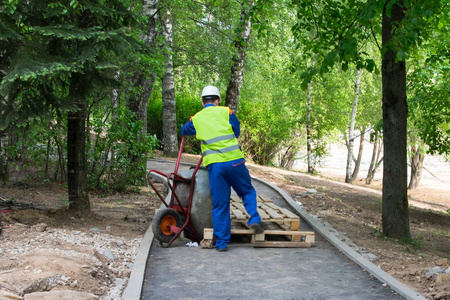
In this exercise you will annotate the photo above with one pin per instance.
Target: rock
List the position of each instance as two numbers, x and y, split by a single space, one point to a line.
311 191
74 283
206 244
109 254
44 284
442 262
4 295
370 256
126 273
433 271
41 227
442 295
60 295
439 278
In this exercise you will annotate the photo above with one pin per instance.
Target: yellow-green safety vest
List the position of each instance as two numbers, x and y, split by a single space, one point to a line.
218 142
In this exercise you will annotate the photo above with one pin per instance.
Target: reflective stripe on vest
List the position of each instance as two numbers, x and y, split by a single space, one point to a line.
218 141
223 150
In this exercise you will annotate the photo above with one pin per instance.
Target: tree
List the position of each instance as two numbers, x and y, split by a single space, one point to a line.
237 69
143 80
357 161
395 213
170 140
428 93
417 156
339 27
271 103
351 138
375 161
308 128
59 53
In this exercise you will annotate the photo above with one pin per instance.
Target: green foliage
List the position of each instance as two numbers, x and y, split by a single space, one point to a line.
187 105
57 52
378 233
118 152
203 42
36 149
332 32
154 119
57 55
429 100
264 126
415 243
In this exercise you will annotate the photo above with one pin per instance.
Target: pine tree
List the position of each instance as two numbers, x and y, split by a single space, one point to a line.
53 55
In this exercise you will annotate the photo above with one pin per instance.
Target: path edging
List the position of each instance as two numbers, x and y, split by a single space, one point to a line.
381 275
133 290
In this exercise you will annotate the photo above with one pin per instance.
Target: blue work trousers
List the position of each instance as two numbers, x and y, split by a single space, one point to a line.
222 176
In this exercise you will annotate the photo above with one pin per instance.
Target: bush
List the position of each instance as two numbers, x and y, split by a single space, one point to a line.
117 157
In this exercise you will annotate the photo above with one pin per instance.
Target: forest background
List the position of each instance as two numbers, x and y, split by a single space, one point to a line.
90 88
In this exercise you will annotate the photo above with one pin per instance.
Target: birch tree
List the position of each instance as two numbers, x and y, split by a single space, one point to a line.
144 80
170 138
237 69
351 137
308 128
358 159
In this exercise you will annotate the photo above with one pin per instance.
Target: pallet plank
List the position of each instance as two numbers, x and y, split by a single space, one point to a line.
273 214
278 223
280 244
263 215
239 215
289 214
264 198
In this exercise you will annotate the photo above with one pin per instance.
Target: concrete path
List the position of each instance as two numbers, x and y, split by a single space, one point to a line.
330 270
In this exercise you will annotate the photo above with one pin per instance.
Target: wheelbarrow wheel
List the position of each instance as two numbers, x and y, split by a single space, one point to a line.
164 218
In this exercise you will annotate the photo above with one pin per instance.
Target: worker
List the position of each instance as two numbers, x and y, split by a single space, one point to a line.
218 128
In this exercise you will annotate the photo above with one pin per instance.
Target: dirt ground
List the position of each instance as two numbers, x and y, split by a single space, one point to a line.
45 247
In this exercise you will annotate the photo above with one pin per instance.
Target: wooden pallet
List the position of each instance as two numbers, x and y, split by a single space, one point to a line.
281 227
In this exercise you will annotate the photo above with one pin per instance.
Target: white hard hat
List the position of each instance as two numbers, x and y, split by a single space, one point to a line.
211 90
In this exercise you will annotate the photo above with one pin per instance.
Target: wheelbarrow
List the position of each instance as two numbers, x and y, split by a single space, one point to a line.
187 206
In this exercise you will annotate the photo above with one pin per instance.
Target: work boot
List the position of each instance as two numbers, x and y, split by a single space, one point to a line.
222 249
257 227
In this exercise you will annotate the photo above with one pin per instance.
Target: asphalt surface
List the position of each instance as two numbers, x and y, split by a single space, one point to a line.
329 270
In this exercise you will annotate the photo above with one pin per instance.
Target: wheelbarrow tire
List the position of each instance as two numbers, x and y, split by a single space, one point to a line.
160 224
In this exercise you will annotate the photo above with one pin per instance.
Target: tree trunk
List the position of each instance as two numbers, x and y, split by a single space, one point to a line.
360 152
287 159
351 128
170 138
237 69
138 103
395 214
375 161
59 169
417 158
308 129
4 171
76 160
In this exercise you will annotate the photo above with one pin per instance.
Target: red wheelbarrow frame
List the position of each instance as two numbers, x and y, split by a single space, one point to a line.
175 202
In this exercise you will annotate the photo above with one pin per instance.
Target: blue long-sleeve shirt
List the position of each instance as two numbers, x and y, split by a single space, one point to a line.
189 129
